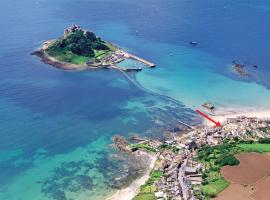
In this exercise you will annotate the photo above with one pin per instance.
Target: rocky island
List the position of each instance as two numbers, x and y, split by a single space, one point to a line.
82 49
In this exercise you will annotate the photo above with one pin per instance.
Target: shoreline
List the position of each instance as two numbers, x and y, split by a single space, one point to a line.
222 114
133 189
47 59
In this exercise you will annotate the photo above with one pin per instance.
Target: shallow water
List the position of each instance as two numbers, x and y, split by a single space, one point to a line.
55 126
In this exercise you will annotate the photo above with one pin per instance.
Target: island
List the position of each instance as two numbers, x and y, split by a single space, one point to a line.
83 49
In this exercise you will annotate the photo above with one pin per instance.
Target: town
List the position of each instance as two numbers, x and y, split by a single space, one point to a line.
181 172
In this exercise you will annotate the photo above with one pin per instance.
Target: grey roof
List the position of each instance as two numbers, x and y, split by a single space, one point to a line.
191 169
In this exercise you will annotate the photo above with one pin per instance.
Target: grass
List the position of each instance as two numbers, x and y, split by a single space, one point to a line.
112 47
260 148
215 157
102 53
171 147
144 146
213 188
148 196
67 56
147 191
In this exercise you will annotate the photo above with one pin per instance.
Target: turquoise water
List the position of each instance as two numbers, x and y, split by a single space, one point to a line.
56 126
192 82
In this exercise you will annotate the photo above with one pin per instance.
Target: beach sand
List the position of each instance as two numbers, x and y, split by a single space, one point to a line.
133 189
221 114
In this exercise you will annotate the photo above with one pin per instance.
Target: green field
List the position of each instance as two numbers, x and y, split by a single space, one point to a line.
144 146
66 56
215 187
147 191
260 148
215 157
102 53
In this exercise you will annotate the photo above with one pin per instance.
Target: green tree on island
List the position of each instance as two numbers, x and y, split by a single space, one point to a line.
81 42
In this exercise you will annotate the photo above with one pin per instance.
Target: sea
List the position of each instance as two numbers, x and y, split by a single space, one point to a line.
56 126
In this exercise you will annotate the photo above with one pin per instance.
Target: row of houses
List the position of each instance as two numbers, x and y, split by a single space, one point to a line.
181 173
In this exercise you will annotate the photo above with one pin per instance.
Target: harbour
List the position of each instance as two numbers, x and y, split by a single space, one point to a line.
150 64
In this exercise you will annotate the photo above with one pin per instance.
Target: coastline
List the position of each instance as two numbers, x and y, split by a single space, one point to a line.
221 114
133 189
41 53
46 58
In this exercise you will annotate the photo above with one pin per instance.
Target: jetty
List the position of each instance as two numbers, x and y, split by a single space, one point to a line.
125 69
150 64
133 69
100 54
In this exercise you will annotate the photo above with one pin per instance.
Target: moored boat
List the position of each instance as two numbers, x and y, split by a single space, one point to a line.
209 106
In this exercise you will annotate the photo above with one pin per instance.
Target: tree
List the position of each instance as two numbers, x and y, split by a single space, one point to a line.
227 160
264 141
81 42
99 46
90 35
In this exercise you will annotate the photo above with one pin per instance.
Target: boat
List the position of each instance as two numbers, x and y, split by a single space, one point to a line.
209 106
193 42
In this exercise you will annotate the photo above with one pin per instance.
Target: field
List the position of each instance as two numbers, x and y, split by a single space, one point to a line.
66 56
248 171
215 187
218 159
102 53
235 192
147 191
262 192
143 146
213 158
249 179
260 148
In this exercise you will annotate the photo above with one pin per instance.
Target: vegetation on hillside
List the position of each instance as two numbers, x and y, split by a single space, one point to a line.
264 140
143 146
173 148
79 46
81 43
215 157
147 190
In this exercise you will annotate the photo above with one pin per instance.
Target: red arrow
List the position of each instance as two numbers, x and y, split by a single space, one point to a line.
218 124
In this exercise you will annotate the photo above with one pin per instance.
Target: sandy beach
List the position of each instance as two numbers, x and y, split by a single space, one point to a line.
133 189
221 114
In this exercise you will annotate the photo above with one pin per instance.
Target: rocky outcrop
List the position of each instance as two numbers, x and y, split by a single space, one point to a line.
71 29
89 34
121 143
